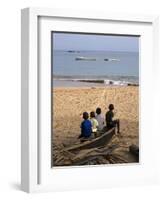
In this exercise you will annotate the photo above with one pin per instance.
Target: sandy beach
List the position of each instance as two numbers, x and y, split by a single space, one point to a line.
70 103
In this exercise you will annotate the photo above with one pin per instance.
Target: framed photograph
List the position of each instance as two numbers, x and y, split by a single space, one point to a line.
89 84
104 70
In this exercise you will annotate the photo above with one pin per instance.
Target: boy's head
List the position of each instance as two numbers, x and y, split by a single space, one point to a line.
98 111
85 115
92 114
111 107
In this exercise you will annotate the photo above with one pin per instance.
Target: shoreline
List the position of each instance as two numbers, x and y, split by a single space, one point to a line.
92 82
92 87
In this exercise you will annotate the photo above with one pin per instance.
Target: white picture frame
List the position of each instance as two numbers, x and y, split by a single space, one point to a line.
36 171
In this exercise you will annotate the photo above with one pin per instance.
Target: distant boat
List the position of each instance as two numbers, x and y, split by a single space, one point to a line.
114 59
85 58
111 59
73 51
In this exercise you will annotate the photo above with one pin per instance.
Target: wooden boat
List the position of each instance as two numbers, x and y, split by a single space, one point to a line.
100 141
111 59
114 59
85 58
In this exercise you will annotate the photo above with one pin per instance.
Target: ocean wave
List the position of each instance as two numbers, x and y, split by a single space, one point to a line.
110 82
106 82
113 82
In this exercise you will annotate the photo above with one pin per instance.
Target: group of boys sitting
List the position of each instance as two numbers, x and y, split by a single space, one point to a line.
96 123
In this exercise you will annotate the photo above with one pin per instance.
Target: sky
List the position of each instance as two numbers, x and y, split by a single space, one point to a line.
71 41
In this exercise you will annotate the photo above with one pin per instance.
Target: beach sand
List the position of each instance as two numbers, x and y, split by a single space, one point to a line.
70 103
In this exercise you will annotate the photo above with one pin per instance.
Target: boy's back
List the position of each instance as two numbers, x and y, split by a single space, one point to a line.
101 121
86 128
94 123
109 117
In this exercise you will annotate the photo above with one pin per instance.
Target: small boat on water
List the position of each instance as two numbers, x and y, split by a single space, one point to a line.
114 59
73 51
111 59
85 58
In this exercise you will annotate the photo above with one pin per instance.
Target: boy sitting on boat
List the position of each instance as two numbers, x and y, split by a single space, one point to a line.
110 122
100 118
86 126
94 123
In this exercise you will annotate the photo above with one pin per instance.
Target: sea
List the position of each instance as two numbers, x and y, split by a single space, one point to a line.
94 68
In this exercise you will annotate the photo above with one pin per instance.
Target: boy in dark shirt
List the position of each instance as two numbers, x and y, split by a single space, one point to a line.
110 123
86 126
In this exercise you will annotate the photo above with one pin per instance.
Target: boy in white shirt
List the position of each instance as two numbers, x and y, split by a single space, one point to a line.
100 118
